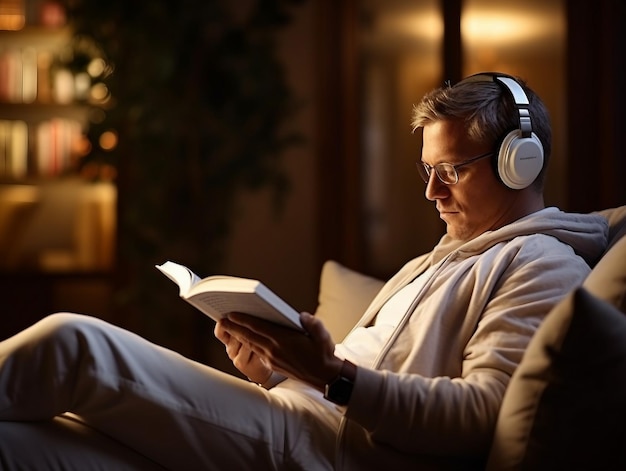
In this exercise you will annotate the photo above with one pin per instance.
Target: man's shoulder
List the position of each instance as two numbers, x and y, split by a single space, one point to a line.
551 231
539 245
539 253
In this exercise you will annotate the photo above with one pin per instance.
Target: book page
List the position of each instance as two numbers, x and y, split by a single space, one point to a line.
218 304
180 275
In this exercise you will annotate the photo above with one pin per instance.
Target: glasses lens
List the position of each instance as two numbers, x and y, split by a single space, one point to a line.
447 173
423 170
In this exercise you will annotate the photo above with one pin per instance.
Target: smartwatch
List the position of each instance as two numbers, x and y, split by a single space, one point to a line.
340 388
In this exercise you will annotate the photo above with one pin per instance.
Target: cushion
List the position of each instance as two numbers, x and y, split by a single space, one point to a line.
607 280
617 223
565 407
344 295
564 403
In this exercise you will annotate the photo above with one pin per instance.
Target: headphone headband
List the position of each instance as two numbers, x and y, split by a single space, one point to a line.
512 86
520 156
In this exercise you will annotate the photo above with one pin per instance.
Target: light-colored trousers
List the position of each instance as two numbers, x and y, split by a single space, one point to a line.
151 407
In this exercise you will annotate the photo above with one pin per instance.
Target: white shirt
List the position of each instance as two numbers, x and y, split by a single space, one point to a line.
363 344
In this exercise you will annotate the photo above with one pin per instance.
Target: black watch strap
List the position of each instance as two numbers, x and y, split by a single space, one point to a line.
339 390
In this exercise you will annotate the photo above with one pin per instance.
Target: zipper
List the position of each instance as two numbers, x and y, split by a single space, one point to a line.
405 318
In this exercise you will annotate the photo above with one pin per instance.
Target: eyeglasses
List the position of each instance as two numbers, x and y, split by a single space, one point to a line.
447 173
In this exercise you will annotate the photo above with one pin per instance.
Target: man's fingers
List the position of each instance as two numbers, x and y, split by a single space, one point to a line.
248 330
221 334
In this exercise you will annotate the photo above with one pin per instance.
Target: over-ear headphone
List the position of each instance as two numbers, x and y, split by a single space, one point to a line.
520 156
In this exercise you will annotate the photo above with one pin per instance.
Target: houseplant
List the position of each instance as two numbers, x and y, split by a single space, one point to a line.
200 104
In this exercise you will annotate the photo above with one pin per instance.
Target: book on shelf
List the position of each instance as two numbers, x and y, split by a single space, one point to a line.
13 148
216 296
55 140
42 149
24 73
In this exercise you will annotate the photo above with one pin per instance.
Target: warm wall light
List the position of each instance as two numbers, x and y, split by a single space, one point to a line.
487 23
402 25
419 25
12 15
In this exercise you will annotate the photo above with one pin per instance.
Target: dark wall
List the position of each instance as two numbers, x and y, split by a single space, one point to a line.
596 98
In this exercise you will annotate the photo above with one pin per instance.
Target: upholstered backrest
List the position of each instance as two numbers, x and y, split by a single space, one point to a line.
607 280
617 224
344 294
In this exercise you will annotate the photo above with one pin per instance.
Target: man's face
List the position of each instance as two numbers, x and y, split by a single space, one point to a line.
479 202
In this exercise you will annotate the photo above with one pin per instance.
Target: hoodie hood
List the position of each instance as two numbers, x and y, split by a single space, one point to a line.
587 234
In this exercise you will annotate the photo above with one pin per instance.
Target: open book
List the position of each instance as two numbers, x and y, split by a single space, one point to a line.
216 296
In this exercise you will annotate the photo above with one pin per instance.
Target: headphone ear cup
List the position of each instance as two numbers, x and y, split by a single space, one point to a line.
520 160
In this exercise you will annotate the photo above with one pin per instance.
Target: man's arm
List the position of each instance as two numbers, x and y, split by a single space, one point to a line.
457 413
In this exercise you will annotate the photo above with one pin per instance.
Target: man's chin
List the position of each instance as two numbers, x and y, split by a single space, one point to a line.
455 232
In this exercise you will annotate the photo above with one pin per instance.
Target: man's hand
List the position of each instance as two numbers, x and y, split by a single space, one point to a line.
308 358
246 361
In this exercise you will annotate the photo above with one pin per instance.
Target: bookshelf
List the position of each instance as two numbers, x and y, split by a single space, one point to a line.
44 107
52 220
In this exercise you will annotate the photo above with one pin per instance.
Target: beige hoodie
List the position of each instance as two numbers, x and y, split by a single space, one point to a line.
432 400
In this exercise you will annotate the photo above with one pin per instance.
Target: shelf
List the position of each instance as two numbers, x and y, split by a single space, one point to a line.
52 222
41 38
37 112
42 180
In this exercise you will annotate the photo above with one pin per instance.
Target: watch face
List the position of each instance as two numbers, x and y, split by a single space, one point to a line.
339 391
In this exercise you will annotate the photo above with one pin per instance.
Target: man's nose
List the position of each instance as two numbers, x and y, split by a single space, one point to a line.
435 188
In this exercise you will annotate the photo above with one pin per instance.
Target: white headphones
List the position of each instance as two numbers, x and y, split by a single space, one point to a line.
520 157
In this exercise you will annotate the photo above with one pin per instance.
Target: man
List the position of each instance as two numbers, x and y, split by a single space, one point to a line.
416 385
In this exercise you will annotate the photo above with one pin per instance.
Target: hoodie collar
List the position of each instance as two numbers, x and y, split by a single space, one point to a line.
587 234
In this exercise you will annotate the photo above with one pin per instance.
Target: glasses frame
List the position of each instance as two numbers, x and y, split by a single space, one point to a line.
426 170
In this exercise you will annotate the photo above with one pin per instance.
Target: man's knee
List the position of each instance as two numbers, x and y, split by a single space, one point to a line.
66 325
57 335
